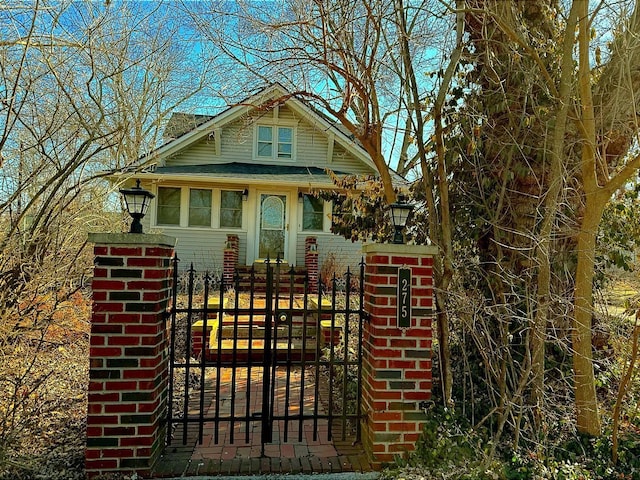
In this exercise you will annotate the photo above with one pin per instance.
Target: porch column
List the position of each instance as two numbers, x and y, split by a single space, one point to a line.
128 355
231 254
396 361
311 262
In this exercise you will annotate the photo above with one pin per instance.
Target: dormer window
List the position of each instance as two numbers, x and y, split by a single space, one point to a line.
275 142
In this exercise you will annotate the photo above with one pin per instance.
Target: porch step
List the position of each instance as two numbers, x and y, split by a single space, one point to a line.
242 334
261 266
257 331
240 350
244 326
289 277
283 345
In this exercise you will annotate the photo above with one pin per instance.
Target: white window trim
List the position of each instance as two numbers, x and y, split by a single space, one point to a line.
155 208
213 206
301 213
293 125
326 218
216 204
244 209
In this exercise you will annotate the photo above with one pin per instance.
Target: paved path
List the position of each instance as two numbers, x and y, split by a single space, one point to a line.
319 476
297 447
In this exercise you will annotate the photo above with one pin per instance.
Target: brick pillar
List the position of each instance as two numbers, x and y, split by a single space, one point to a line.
128 356
231 254
311 262
396 361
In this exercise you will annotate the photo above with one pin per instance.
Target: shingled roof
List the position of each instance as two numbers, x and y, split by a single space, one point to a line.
180 123
235 170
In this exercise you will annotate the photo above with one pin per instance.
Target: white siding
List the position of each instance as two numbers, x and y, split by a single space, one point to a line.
312 146
200 153
237 142
345 252
345 162
205 249
237 145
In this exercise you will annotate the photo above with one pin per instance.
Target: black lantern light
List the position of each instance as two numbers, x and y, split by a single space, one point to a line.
137 200
400 211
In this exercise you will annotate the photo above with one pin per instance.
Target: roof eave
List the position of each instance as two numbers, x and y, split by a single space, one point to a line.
204 178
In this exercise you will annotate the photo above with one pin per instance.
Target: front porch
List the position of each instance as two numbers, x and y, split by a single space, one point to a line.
252 278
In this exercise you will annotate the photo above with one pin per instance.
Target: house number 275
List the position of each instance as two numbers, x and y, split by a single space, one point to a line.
404 297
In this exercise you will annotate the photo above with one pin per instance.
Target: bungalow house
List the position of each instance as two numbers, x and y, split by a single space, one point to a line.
245 179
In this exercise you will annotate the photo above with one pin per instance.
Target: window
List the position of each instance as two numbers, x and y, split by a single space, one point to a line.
265 142
230 209
312 213
199 208
285 142
283 138
168 212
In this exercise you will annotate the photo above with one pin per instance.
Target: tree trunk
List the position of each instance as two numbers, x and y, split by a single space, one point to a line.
587 417
446 246
543 251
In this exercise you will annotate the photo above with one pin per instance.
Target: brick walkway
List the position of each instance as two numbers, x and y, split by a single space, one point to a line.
294 448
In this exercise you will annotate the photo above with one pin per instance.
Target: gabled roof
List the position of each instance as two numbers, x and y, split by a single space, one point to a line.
203 127
180 123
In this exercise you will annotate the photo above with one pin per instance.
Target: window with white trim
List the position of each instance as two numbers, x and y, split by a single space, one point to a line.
312 213
274 142
285 142
230 209
199 207
168 206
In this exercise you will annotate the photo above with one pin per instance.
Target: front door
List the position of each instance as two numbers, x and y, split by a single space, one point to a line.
272 235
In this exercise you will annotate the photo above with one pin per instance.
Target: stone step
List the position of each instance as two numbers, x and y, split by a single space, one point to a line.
240 350
238 336
261 287
258 344
258 331
282 282
278 316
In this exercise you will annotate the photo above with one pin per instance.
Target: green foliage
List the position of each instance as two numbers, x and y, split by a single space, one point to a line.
619 233
445 440
580 458
449 448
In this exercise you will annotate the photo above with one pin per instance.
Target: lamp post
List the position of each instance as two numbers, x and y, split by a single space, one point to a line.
400 211
137 200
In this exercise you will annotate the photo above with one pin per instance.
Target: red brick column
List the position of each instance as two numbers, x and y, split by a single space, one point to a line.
396 362
128 356
201 337
311 262
231 254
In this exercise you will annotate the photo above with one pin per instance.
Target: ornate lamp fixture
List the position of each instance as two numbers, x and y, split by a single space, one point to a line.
137 200
400 212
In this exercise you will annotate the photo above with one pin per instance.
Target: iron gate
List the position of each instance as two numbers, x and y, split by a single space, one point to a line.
264 349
